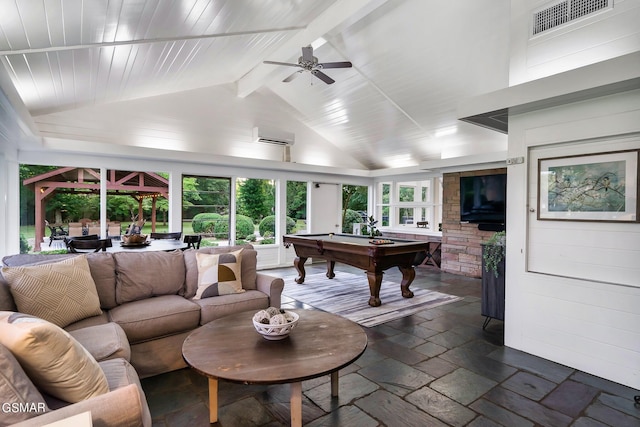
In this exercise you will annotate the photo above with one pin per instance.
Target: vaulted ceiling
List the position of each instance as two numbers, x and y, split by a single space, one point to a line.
188 75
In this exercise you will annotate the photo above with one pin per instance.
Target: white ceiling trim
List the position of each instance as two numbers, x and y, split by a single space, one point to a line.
145 41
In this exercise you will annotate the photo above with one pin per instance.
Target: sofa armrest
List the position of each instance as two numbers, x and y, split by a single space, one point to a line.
271 286
121 407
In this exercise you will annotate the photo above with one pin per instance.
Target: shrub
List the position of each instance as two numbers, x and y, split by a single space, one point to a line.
207 242
268 225
205 222
270 241
244 226
54 252
24 245
350 218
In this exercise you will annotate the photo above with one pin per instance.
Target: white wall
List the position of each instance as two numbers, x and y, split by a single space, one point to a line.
583 313
12 131
594 38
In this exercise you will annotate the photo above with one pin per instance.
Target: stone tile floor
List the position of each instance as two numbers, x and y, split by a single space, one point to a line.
435 368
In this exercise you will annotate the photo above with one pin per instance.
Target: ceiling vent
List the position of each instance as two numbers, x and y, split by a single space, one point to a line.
561 12
272 136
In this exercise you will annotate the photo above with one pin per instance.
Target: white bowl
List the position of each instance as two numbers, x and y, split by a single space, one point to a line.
276 332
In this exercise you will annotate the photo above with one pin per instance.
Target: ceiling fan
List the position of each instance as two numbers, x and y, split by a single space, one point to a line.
308 62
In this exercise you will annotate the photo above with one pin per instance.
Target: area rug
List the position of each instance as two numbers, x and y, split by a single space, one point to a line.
348 294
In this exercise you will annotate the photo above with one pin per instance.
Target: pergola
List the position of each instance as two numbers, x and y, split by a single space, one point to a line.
139 185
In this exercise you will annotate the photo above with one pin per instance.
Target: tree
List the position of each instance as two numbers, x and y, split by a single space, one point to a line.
297 199
256 198
354 197
27 197
120 207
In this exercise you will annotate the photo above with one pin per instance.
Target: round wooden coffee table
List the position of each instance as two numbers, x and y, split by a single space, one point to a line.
230 349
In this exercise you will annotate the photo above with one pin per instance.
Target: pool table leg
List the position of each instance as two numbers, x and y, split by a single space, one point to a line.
408 274
298 263
375 280
330 266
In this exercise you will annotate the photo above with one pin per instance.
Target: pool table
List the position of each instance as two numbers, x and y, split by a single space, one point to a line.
360 252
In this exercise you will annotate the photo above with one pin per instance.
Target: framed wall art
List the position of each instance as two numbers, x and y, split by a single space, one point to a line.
594 187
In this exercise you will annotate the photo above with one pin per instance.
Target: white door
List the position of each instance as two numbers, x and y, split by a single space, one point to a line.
326 208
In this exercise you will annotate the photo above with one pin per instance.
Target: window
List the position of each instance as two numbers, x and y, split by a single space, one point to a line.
354 207
67 200
205 208
410 204
255 211
297 206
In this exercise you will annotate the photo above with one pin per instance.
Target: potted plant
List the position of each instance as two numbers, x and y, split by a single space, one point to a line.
371 225
493 280
493 253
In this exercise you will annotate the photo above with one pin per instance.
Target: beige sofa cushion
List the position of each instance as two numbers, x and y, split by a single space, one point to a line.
17 389
247 272
215 308
104 342
61 292
148 274
120 374
103 271
89 321
56 363
156 317
219 274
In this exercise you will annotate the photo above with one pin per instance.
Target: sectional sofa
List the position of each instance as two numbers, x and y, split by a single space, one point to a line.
131 318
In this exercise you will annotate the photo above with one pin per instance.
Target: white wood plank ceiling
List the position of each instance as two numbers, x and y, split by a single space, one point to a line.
187 75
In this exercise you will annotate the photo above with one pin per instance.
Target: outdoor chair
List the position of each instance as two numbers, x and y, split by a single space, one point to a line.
76 229
86 237
93 228
57 232
114 230
193 241
80 246
68 239
166 236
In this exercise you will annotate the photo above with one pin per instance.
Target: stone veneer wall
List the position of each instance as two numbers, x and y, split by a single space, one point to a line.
461 250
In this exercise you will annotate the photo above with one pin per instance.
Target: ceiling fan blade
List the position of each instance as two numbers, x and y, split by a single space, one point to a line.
322 76
292 76
281 63
307 53
344 64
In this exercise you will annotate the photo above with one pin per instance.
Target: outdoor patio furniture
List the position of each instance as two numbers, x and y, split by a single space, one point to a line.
88 245
193 241
57 232
75 229
93 228
114 230
170 236
68 239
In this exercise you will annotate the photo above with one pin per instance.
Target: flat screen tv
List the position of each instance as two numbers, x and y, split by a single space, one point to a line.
483 199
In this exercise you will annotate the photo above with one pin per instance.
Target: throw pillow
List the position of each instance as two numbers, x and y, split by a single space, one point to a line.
61 293
219 274
56 363
21 399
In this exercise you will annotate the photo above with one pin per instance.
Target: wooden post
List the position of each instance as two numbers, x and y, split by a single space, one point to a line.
154 198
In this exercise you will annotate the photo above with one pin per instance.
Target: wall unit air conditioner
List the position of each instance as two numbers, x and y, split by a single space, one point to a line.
273 136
